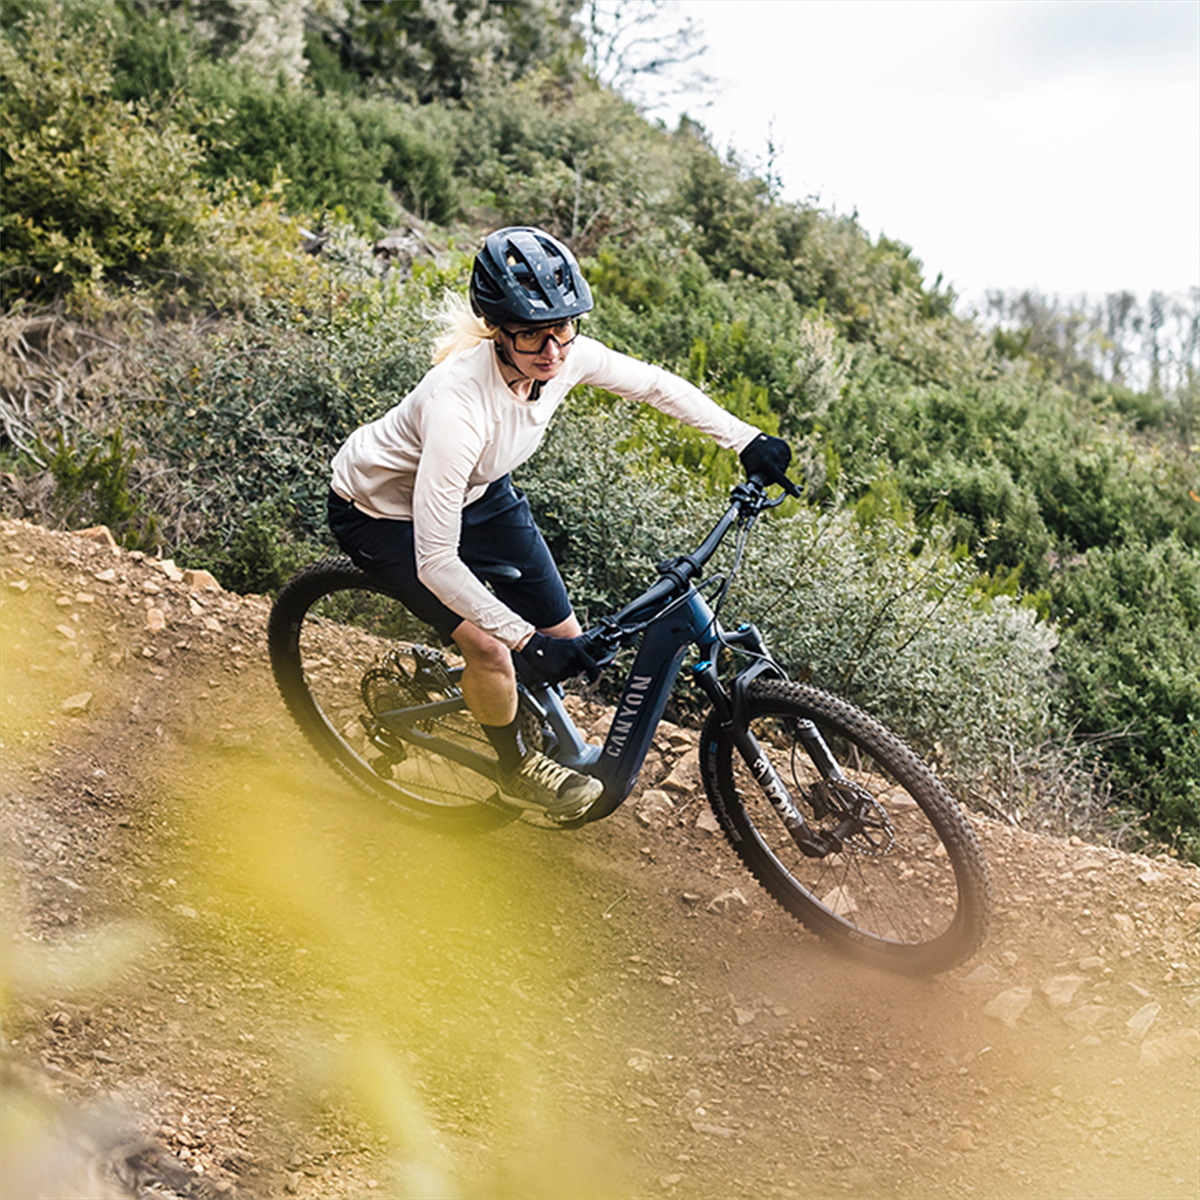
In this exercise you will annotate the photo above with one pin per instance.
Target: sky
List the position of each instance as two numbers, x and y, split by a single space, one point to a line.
1049 145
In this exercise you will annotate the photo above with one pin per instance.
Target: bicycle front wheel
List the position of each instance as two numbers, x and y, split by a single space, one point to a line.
344 669
897 878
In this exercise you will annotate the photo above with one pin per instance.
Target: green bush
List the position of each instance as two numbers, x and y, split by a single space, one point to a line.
417 156
247 410
94 190
153 51
94 487
663 305
1130 661
1023 469
985 510
264 129
873 292
426 52
891 617
1104 487
261 554
567 155
335 153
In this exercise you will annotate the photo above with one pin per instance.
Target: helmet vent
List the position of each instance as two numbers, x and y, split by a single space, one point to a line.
525 274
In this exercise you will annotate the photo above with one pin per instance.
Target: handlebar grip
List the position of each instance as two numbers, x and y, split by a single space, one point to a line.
788 486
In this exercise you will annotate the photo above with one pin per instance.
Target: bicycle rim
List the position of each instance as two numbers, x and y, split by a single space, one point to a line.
909 889
345 670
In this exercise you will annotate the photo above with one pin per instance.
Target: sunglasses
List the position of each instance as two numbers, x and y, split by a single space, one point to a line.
533 341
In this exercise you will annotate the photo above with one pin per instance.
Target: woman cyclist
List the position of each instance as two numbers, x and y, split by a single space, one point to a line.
422 497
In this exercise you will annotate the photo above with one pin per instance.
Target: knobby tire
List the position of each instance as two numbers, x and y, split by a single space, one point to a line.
330 628
918 905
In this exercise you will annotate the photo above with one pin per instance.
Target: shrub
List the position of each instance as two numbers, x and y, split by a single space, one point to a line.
265 129
417 156
93 487
94 190
663 305
1130 660
261 554
1021 468
243 411
892 619
569 156
153 51
986 510
428 51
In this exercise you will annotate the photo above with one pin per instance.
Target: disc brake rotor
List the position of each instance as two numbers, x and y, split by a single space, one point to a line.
862 824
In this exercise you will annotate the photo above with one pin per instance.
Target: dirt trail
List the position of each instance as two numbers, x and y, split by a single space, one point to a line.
227 974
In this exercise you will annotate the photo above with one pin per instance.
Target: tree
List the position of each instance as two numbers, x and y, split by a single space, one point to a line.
641 51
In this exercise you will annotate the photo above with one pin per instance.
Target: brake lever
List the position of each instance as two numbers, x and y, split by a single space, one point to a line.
789 489
603 643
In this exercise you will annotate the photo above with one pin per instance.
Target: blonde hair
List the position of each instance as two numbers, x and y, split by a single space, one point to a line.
462 329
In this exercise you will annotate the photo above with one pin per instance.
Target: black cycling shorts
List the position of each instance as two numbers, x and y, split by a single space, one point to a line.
498 536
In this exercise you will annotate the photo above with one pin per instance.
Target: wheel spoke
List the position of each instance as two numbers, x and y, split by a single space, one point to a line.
348 674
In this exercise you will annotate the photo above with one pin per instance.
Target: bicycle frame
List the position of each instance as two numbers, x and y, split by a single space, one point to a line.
665 620
683 622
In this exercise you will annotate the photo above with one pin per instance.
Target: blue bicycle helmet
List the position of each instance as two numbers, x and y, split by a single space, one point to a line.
523 274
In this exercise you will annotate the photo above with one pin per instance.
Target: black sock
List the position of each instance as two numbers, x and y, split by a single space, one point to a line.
507 742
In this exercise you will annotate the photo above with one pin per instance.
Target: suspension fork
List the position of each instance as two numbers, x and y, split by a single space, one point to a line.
733 714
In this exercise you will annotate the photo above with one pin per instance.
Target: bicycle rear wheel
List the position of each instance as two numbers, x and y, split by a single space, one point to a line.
344 670
903 884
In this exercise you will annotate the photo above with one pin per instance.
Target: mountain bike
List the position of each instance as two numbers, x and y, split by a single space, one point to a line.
841 823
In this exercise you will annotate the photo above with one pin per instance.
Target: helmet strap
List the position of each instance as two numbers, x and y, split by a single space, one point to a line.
535 388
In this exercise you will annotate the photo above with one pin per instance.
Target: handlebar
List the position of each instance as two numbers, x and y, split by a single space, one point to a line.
790 487
746 501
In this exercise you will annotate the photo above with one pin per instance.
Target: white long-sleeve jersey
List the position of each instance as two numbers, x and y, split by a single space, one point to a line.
462 428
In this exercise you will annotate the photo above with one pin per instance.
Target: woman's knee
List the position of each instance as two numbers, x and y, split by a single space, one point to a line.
482 651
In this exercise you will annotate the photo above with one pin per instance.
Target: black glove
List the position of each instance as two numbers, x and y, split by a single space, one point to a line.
550 659
769 458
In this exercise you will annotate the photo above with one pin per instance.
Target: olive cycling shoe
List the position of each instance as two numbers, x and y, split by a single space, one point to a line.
540 782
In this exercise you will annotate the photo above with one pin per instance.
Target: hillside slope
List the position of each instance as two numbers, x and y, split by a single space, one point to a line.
228 974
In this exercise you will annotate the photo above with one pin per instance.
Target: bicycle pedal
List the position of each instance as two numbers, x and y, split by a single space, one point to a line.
534 814
540 820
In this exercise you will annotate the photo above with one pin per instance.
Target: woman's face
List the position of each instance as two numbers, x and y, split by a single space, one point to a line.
540 350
